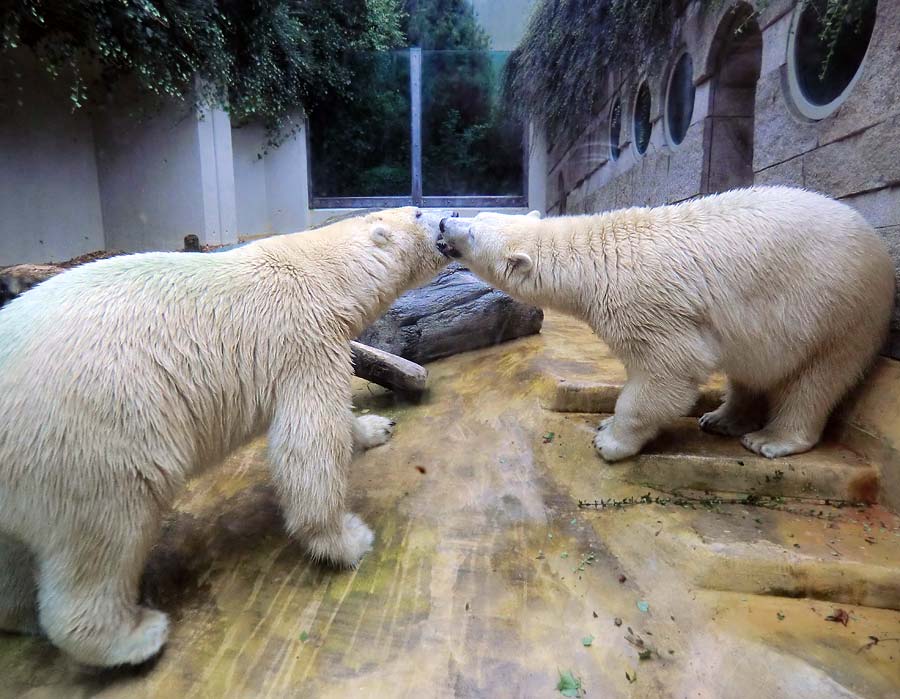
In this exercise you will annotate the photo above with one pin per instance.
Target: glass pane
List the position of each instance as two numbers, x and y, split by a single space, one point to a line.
680 106
823 74
469 146
361 147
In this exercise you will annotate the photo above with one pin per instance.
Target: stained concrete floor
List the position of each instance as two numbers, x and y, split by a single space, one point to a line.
487 578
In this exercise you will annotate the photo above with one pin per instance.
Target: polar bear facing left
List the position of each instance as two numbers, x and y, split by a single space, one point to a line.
785 291
122 378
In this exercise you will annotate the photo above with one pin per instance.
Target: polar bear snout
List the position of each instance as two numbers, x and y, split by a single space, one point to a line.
455 236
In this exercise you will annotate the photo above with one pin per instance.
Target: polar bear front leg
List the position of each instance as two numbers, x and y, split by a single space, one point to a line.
371 431
310 449
647 402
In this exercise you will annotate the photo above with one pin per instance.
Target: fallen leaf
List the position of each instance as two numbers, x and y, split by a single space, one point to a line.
643 606
780 616
304 636
549 437
622 579
839 615
564 555
632 678
645 654
421 469
587 641
596 616
569 685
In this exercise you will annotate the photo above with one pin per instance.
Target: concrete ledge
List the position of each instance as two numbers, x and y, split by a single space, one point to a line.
684 458
576 396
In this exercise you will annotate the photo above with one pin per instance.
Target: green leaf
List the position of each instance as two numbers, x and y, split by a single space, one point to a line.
304 636
587 641
569 685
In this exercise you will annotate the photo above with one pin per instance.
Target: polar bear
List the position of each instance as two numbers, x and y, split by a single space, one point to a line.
785 291
122 378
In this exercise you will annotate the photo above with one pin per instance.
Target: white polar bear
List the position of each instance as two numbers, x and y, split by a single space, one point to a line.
122 378
787 292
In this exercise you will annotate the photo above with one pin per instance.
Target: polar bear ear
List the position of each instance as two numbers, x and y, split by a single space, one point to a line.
381 234
519 262
534 214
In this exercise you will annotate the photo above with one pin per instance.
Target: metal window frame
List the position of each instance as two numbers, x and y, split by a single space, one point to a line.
416 197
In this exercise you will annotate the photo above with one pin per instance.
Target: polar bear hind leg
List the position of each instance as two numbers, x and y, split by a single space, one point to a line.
800 405
743 411
18 601
88 587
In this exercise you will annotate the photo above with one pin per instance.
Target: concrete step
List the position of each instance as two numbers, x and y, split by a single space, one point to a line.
685 458
844 556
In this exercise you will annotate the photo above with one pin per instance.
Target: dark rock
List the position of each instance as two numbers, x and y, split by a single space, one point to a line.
18 279
456 312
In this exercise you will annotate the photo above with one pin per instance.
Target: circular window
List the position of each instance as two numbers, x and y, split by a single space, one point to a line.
825 53
642 125
680 99
615 130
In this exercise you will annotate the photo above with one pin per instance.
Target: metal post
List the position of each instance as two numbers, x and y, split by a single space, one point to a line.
415 88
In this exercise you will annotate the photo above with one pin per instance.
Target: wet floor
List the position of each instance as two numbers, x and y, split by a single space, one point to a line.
488 580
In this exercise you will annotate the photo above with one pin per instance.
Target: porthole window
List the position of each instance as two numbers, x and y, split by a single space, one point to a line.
642 125
824 65
615 130
680 100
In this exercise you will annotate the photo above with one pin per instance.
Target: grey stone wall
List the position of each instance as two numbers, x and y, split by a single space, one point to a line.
853 154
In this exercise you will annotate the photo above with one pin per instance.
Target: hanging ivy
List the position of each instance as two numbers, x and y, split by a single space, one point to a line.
554 76
258 59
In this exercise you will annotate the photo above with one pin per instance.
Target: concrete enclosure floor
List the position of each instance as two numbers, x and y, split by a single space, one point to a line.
488 580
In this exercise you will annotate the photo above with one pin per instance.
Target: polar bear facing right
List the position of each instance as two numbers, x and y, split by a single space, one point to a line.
787 292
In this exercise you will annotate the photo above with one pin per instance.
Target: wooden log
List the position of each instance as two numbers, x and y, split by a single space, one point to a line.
388 370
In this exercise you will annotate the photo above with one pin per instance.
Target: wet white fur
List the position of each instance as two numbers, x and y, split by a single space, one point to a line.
787 292
119 380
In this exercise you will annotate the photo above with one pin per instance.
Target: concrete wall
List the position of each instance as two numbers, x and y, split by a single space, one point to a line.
49 194
164 173
851 154
250 180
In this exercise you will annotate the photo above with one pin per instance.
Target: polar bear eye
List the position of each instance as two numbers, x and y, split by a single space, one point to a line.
418 213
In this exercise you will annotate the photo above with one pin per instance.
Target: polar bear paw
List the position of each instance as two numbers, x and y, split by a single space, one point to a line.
724 422
372 431
347 548
612 449
143 642
772 445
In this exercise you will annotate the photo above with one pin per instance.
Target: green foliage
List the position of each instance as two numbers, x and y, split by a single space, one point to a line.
555 74
260 59
443 24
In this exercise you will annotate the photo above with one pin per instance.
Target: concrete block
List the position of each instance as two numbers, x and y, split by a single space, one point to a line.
862 162
787 173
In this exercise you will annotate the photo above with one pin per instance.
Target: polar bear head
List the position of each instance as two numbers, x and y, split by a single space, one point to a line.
502 249
406 238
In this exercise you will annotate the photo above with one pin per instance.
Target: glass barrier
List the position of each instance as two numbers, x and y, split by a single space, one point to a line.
469 146
361 147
